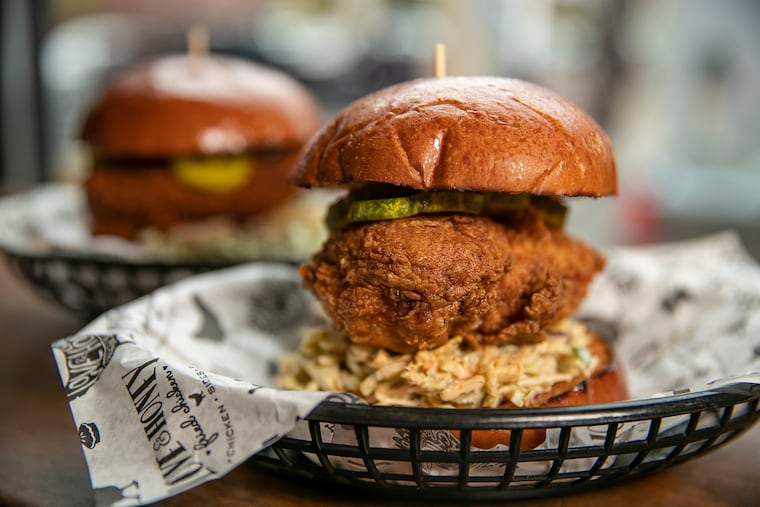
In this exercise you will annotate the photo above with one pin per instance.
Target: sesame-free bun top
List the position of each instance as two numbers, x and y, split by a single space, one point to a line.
200 105
464 133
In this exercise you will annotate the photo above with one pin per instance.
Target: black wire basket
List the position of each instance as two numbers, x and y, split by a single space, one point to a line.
88 286
425 459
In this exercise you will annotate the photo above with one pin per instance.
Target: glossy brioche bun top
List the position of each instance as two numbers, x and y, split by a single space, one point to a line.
200 105
464 133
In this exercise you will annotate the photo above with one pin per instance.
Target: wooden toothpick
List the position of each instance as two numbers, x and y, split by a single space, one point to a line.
439 60
197 41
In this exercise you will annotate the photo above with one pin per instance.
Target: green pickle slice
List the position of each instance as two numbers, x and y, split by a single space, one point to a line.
551 209
473 203
350 210
499 202
425 202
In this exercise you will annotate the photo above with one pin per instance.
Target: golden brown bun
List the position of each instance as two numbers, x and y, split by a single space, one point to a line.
178 105
464 133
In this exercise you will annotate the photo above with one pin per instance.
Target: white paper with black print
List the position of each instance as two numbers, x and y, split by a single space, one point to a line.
176 388
53 219
685 314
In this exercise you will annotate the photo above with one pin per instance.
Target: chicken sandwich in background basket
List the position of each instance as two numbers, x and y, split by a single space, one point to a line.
448 279
193 155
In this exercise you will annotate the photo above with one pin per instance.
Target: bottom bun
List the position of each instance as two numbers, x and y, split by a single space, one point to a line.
604 387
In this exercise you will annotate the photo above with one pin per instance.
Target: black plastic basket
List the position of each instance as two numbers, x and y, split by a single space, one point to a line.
88 286
663 432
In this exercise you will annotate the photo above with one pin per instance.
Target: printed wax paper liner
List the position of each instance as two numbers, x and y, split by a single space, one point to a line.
45 234
54 219
175 388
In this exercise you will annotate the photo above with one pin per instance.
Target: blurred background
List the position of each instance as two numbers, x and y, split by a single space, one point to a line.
676 83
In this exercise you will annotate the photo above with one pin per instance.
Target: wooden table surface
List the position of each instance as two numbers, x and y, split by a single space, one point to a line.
41 461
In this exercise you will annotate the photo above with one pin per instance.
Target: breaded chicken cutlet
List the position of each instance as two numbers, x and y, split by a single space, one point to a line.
413 283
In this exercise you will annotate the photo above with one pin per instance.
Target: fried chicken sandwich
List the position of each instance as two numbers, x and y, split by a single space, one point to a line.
447 277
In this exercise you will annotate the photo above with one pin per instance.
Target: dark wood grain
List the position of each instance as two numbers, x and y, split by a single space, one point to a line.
41 462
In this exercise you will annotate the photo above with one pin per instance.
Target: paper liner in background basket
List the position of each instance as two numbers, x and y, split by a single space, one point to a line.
45 235
176 388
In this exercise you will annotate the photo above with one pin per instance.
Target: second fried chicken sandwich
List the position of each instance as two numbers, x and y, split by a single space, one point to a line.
192 155
448 277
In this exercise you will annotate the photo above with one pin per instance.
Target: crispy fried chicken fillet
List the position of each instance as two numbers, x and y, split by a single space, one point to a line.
413 283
